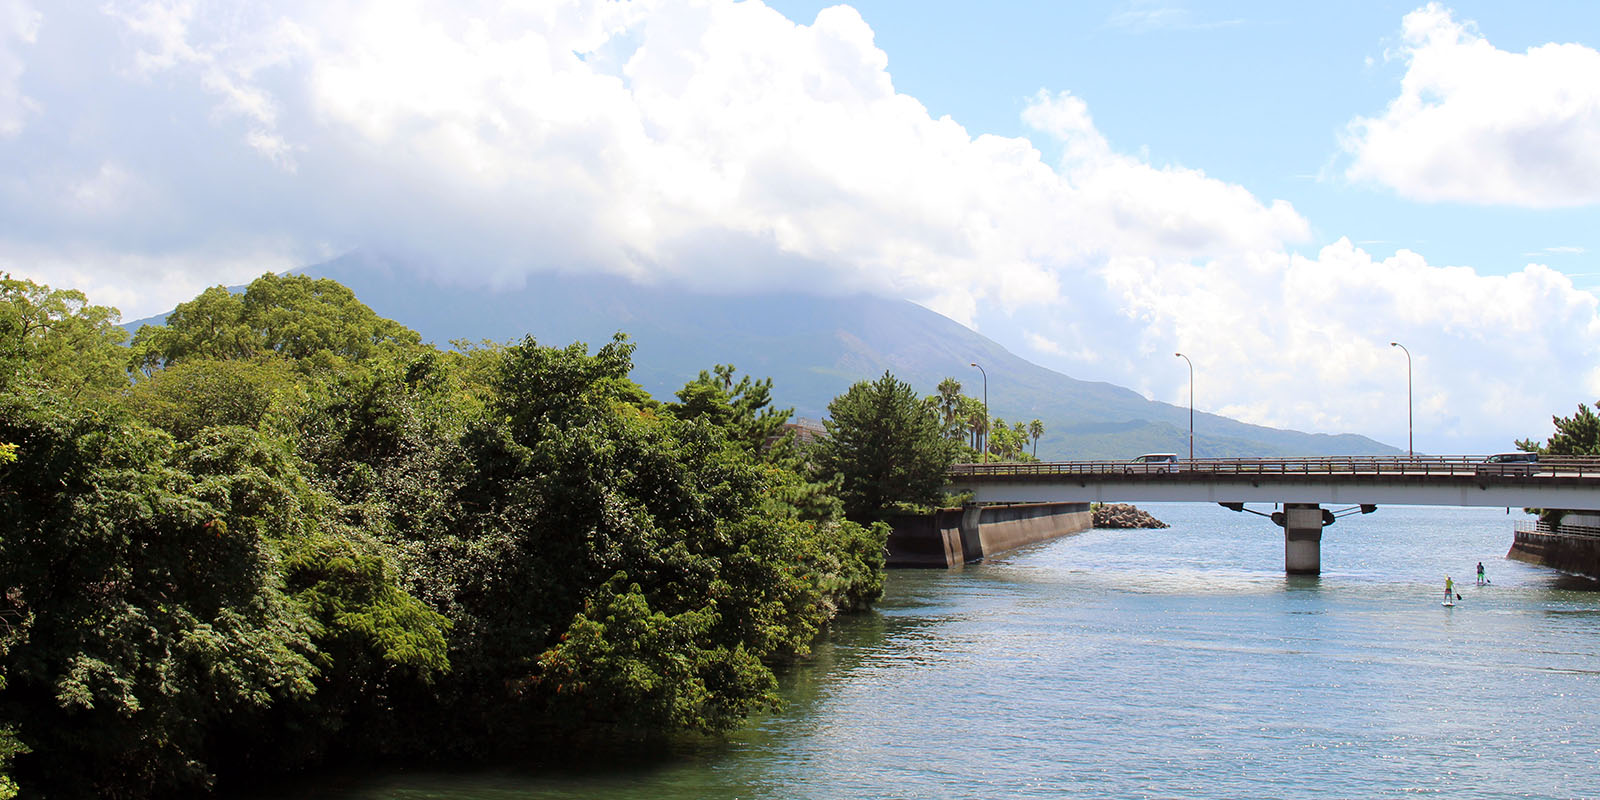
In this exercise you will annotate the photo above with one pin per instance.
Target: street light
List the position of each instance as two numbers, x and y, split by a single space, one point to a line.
1191 403
983 441
1410 452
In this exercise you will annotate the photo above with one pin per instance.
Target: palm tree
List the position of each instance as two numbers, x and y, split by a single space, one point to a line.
950 405
1035 430
977 419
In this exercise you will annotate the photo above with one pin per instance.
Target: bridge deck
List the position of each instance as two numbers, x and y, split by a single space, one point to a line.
1435 480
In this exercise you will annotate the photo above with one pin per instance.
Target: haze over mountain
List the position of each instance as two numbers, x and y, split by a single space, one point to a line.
814 347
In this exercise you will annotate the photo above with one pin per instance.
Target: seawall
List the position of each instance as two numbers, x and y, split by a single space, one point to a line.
953 536
1566 548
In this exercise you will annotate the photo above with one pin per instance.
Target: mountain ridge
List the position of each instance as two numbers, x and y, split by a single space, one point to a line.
814 347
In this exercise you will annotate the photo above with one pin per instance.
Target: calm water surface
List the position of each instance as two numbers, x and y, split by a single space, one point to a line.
1169 663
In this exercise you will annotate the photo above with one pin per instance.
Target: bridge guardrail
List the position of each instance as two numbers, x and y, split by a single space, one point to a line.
1459 466
1540 526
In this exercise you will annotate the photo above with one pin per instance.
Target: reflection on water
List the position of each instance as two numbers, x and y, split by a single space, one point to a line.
1170 663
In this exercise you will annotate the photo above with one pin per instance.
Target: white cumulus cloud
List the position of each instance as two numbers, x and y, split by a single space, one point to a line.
718 144
19 27
1476 124
1303 342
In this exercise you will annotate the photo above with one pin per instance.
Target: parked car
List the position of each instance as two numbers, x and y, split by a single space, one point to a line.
1510 464
1153 463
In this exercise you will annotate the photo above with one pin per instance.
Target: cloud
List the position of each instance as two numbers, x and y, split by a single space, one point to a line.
1043 344
19 27
719 145
1143 16
1476 124
711 143
1294 341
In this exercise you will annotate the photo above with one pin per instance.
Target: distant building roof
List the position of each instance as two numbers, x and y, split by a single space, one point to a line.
805 431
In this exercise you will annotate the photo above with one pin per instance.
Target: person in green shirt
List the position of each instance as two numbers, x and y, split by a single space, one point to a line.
1449 589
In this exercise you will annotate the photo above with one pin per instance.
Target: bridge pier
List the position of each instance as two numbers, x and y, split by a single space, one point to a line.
1302 538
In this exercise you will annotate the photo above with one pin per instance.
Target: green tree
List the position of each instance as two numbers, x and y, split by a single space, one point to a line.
948 401
1035 430
167 598
302 532
973 419
887 445
152 618
1008 442
201 393
55 338
744 409
13 625
294 316
1577 435
618 570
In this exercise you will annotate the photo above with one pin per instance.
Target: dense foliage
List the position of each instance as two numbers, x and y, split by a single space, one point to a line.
281 529
965 421
1577 435
888 446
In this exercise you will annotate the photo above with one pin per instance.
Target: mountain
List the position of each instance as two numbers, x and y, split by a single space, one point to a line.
813 347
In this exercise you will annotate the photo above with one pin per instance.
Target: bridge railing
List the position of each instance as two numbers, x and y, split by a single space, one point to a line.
1540 526
1470 466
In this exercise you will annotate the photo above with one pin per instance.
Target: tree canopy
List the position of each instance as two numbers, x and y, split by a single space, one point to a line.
281 528
888 446
56 338
293 316
1577 435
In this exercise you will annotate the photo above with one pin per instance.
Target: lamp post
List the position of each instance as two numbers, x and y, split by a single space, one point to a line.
1191 403
983 442
1410 452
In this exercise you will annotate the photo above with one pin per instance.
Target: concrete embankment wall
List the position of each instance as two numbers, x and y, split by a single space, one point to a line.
952 536
1576 553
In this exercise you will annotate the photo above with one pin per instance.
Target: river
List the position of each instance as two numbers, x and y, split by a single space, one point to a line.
1166 663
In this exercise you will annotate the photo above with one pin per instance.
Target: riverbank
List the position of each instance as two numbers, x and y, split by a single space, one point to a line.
1568 548
951 537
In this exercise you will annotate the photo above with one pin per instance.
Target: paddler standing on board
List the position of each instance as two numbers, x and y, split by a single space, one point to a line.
1449 589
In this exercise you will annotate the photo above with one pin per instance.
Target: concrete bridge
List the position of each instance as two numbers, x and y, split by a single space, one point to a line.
1301 485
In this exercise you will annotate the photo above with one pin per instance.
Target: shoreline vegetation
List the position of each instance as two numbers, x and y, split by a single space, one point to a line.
280 532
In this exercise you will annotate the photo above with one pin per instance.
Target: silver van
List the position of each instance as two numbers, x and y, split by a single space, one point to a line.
1509 464
1159 463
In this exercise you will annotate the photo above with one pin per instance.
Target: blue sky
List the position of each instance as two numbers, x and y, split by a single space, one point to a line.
1278 190
1252 93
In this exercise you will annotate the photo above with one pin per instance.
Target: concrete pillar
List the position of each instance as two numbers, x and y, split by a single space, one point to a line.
1302 538
971 539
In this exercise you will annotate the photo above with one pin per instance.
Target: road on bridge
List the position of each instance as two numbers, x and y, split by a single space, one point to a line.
1555 482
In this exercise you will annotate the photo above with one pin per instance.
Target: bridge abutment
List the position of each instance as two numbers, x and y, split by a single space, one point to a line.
1302 538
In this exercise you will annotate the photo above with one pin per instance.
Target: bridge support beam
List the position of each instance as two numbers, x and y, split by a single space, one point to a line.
1302 538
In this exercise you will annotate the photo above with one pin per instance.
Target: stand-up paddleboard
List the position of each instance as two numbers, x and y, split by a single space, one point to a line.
1447 604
